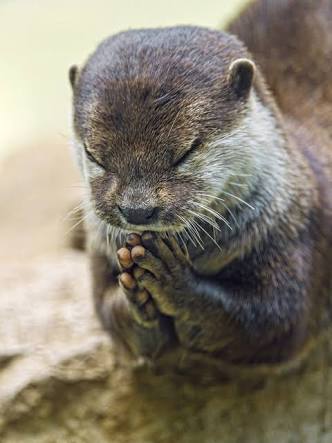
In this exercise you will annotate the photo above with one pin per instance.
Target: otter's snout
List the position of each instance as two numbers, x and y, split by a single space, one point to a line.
140 215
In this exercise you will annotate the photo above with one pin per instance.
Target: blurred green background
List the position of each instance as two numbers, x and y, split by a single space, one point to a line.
40 39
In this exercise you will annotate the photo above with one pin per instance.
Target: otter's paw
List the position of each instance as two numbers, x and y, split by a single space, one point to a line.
163 269
141 303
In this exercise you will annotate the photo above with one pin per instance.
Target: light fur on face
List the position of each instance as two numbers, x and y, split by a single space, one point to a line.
253 152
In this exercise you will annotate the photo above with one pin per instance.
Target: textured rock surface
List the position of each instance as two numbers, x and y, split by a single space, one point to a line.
58 379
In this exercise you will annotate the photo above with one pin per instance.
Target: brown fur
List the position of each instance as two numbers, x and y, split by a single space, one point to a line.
143 97
292 43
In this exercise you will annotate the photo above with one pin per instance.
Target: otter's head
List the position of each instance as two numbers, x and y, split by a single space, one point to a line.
160 117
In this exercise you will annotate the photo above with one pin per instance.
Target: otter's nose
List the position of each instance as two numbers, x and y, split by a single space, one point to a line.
138 216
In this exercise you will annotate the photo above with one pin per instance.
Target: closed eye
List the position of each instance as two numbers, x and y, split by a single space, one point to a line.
91 157
193 147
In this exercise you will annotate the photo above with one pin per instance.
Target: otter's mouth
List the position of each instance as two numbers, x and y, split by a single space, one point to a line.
128 228
141 223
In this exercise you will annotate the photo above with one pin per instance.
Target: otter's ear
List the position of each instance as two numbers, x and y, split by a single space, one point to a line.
241 75
73 75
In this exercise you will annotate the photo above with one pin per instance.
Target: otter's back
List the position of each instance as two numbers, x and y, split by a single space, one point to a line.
292 42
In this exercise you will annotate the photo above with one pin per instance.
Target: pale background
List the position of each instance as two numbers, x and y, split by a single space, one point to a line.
40 39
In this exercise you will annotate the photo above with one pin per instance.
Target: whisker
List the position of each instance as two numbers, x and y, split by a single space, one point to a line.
188 236
211 196
183 243
216 214
99 229
193 233
196 234
73 211
108 228
214 240
187 227
77 223
222 202
239 199
205 218
230 212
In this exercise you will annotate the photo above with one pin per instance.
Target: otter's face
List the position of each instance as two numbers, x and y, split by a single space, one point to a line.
151 145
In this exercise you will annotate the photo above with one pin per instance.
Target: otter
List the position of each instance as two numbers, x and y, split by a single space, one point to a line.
208 205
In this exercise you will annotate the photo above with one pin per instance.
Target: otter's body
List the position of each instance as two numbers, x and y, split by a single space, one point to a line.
230 199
